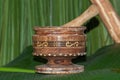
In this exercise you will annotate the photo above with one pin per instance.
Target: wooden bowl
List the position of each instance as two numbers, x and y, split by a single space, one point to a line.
59 45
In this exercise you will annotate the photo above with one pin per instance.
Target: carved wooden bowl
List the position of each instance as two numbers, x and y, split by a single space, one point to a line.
59 45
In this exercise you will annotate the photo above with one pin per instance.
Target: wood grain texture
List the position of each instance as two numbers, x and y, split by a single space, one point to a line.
58 49
80 20
109 17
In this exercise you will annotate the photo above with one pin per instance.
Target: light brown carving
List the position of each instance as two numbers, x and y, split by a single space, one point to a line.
109 17
80 20
107 14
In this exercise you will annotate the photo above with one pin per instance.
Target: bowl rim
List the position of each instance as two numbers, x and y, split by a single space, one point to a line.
57 27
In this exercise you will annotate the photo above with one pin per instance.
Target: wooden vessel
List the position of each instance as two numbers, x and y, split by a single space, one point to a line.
59 45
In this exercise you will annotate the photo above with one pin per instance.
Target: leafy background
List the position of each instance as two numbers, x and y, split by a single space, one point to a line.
18 18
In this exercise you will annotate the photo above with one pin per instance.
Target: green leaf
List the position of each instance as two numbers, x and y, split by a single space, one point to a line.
10 69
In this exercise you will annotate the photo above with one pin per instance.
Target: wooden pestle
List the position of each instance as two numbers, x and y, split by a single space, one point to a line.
107 13
109 17
80 20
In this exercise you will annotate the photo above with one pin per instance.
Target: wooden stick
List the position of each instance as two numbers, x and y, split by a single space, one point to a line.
88 14
109 17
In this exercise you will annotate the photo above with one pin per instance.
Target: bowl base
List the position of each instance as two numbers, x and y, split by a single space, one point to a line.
59 69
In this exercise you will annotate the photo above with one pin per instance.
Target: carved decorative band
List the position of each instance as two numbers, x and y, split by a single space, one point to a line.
60 54
59 38
58 50
58 43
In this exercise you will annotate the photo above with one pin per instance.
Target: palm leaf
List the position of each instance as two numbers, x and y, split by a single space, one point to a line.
104 63
91 75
